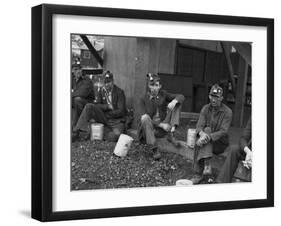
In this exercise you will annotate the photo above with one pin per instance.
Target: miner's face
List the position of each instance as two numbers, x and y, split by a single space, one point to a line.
77 72
154 87
109 85
215 100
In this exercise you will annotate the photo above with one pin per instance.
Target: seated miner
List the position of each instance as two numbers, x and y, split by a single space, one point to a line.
82 92
212 129
236 153
109 109
160 114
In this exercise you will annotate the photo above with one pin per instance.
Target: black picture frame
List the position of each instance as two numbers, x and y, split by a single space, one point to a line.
42 111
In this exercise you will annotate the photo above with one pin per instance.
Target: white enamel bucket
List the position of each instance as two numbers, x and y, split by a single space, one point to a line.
97 131
123 145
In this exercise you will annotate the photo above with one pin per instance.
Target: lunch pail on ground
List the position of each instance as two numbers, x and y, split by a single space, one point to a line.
97 131
123 145
191 138
184 182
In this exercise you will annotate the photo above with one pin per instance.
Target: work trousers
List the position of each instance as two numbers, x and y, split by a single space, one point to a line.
78 104
206 152
234 155
113 127
148 130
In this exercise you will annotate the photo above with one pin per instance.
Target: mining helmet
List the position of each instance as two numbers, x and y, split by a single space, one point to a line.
108 77
216 91
152 78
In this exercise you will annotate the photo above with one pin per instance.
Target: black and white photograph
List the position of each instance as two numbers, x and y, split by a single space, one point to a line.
149 112
142 112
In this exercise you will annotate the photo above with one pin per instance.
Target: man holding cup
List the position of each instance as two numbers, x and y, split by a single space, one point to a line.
109 109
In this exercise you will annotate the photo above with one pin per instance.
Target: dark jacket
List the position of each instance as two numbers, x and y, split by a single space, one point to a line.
118 103
83 88
246 139
149 105
219 121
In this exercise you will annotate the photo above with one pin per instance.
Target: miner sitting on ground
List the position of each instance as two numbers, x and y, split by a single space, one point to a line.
212 129
160 114
82 92
236 153
109 109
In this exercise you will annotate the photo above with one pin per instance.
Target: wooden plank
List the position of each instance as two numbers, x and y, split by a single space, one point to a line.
141 69
245 50
213 67
120 59
227 50
167 54
240 93
190 115
183 149
202 44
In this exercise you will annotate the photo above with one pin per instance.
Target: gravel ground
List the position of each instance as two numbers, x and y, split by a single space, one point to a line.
94 166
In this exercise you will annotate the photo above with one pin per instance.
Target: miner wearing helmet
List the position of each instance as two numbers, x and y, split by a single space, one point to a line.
160 114
109 109
212 129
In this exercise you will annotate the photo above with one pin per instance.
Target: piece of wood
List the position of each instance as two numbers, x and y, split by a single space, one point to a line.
241 91
190 115
183 150
120 59
227 50
245 51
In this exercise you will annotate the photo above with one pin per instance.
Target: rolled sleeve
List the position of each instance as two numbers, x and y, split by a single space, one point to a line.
171 96
201 123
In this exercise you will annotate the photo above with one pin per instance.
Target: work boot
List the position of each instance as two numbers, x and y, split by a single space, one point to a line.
196 179
156 153
171 138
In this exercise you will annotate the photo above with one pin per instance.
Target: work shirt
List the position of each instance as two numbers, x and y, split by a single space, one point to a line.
218 120
83 87
157 106
118 100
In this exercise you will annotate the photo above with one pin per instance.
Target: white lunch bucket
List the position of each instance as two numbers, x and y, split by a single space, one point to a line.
123 145
97 131
184 182
191 138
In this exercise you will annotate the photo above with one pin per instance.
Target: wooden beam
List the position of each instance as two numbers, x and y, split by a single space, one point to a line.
227 50
245 51
92 49
190 115
241 91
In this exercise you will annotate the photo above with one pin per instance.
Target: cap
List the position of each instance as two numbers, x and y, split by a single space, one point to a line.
152 78
108 76
216 91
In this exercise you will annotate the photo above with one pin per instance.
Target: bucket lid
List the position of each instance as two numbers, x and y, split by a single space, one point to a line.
127 136
184 182
96 124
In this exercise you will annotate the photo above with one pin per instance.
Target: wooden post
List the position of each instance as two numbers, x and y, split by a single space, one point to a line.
240 92
226 50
